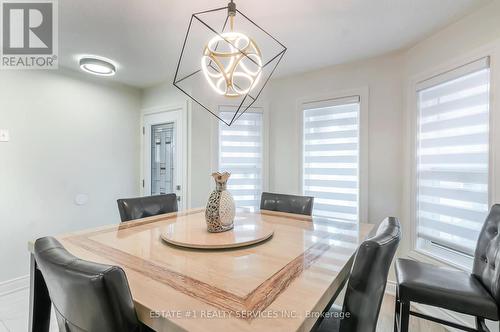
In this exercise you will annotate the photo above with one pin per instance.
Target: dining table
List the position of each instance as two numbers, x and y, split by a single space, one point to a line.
283 283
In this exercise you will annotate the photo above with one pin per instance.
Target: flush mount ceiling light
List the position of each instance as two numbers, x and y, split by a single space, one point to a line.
97 66
226 59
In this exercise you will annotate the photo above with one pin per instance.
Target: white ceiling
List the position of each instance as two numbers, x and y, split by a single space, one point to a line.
144 37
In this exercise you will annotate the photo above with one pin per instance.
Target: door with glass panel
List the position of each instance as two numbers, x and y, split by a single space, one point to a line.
162 158
241 153
162 154
330 165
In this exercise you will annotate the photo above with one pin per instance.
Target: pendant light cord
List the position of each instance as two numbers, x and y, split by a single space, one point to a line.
231 12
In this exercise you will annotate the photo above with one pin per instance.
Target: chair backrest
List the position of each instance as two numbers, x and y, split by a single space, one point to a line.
287 203
86 296
141 207
486 265
366 285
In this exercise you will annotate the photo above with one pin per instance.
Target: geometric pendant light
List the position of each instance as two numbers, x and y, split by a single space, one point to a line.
226 60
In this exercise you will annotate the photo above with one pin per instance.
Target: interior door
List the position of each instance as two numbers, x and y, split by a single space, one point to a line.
163 155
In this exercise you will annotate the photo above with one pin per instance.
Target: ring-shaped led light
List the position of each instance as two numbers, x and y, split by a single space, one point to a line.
225 54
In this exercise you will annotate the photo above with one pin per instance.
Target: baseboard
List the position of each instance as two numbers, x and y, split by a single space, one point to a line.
433 311
14 285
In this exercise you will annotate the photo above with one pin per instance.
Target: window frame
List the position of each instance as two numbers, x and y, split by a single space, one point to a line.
444 256
214 137
363 169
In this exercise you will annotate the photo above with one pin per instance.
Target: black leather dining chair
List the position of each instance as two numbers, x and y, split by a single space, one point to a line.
287 203
86 296
476 294
147 206
366 284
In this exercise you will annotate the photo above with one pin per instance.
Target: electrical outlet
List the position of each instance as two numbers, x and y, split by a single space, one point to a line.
4 135
81 199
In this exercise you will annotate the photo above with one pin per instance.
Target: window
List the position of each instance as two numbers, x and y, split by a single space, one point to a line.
452 161
331 157
241 154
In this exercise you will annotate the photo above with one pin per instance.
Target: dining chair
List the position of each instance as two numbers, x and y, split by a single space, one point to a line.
366 284
86 296
476 294
147 206
287 203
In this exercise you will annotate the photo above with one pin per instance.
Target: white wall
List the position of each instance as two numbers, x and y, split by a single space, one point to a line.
69 136
472 31
382 76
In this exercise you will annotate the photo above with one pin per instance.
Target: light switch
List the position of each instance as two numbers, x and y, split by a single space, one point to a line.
4 135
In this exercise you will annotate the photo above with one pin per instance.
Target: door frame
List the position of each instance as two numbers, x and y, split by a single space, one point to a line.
182 136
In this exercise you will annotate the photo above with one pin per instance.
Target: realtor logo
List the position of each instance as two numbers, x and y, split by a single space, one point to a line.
29 34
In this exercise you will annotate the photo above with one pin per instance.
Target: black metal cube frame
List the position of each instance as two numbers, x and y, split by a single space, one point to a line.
241 109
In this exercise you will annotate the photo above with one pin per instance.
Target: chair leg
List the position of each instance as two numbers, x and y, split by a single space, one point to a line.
404 320
397 315
481 325
40 304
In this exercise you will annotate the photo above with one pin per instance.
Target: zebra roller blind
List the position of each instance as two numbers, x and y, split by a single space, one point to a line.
241 154
331 157
452 157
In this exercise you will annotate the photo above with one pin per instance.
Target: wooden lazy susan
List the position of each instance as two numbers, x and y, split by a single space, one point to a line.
191 232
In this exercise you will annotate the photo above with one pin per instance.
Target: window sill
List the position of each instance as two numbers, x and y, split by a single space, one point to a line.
428 257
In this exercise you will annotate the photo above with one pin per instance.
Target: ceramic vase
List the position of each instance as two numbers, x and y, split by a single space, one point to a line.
220 210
